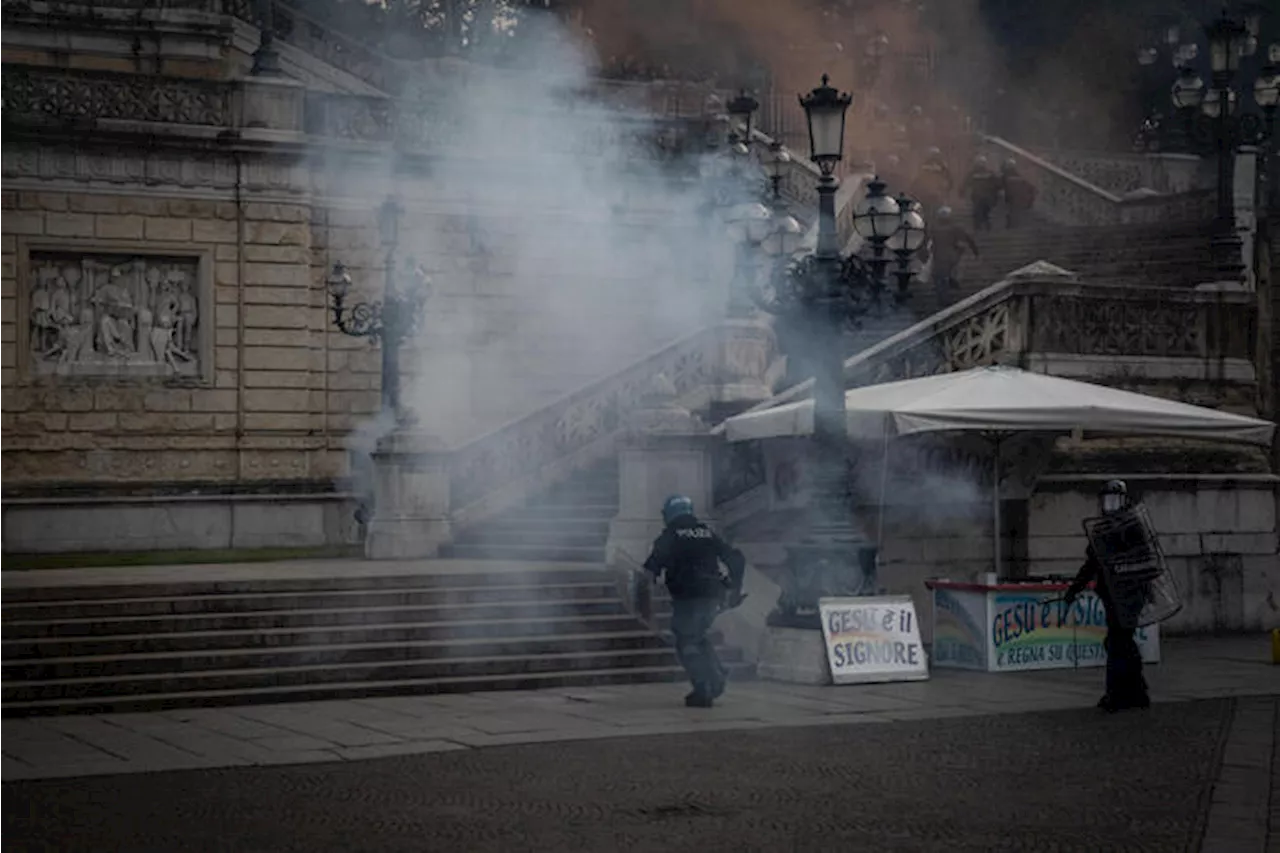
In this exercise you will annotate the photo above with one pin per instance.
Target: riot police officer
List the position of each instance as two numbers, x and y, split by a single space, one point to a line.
1126 688
691 553
982 186
947 242
1019 194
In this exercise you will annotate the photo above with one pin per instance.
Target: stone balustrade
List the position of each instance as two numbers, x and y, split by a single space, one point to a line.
1069 199
1020 320
1122 173
325 43
1044 313
36 96
496 469
73 99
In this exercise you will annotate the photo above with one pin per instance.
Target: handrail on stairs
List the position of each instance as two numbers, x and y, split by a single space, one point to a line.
600 413
927 327
1058 171
1097 206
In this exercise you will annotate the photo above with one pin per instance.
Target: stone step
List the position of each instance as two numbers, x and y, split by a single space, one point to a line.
559 554
304 600
358 689
540 527
444 630
536 510
82 666
524 575
100 626
254 678
564 534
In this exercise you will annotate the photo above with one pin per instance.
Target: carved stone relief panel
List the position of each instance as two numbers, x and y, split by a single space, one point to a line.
109 314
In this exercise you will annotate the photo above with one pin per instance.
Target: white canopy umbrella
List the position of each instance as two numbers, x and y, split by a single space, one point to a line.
999 401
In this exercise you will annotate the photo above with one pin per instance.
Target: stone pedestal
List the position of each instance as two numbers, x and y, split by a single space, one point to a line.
793 655
269 103
748 364
411 487
665 452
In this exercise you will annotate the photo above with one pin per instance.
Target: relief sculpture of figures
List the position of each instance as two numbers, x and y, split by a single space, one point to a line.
108 315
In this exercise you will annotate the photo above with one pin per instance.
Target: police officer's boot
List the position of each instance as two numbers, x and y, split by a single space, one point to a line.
700 698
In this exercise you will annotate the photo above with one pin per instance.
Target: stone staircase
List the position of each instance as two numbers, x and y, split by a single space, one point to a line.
169 645
568 523
1172 255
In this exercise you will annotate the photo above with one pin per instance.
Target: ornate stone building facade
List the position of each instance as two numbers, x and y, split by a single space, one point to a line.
169 224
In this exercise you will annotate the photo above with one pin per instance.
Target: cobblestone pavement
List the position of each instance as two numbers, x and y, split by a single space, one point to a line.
1072 780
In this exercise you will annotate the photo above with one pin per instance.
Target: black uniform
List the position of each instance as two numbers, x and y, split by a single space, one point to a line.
983 188
933 184
1126 688
949 241
1019 197
691 554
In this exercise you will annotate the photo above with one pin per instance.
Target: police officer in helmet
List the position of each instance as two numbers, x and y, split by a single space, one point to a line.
1126 688
690 553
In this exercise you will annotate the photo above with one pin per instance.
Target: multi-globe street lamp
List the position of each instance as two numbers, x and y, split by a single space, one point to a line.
825 294
755 214
1266 94
1214 120
1166 49
391 321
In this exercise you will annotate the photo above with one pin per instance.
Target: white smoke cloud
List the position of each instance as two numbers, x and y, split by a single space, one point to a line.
580 251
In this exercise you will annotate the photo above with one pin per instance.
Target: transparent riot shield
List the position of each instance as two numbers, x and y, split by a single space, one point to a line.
1133 567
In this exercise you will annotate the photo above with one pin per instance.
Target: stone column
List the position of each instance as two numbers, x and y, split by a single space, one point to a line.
411 508
666 451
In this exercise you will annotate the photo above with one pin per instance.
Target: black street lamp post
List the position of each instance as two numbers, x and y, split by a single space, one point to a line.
876 219
1165 49
266 59
825 295
741 110
1220 127
389 322
1266 94
906 241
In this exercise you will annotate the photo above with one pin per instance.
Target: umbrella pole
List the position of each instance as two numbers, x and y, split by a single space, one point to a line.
995 504
884 482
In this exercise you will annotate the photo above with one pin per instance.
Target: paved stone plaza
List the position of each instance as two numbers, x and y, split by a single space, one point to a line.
964 761
1060 781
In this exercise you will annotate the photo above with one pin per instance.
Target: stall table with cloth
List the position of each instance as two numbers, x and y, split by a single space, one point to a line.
1006 627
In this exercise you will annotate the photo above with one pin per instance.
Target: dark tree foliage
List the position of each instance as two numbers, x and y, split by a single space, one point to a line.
412 29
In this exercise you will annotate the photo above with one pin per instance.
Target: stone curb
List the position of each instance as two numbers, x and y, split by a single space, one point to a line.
1243 797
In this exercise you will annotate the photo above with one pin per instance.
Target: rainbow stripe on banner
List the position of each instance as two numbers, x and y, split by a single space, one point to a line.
1030 631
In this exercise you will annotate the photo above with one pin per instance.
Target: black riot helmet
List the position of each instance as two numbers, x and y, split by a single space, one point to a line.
1114 497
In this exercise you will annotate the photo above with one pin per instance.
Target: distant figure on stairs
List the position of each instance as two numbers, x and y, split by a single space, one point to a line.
1019 194
948 240
982 186
690 553
933 184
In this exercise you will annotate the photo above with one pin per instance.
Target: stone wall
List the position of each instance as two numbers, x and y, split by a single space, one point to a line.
182 333
189 42
230 384
1218 534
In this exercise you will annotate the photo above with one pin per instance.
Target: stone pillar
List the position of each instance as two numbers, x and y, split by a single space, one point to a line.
411 505
666 451
1244 196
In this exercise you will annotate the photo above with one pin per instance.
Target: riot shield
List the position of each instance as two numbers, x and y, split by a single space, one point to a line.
1142 588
